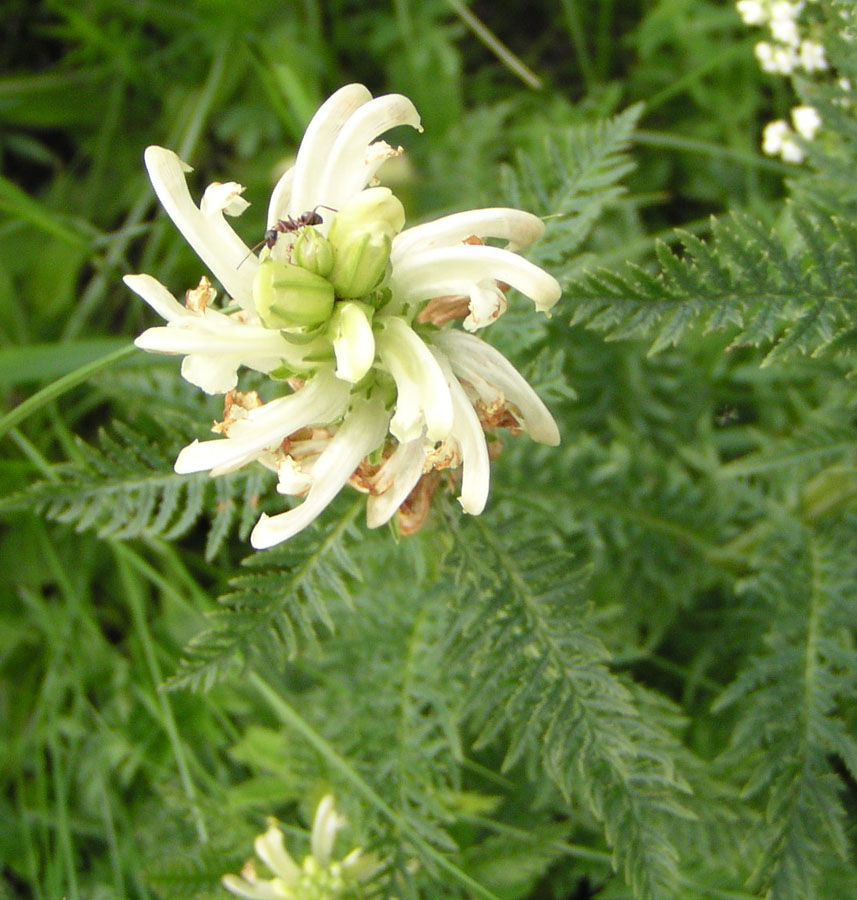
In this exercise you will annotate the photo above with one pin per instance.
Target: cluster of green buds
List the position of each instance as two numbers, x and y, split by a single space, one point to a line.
332 285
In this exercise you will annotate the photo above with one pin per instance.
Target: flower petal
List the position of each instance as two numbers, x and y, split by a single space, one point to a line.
216 244
517 227
451 270
281 196
394 481
213 374
258 890
482 365
321 400
362 431
324 827
487 304
423 397
223 197
317 142
157 296
347 169
467 431
271 849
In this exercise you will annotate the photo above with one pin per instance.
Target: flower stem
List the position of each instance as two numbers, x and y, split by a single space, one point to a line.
289 716
61 386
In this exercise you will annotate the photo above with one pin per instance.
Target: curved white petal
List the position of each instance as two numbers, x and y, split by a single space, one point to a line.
517 227
324 827
422 394
213 374
271 849
321 400
258 890
467 431
202 333
216 244
157 296
223 197
394 481
362 431
347 170
353 341
281 196
486 368
450 270
487 304
317 142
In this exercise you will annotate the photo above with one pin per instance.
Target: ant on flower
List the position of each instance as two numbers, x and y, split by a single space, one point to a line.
290 224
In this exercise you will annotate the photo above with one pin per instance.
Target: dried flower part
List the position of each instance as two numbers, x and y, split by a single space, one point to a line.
415 508
442 310
198 299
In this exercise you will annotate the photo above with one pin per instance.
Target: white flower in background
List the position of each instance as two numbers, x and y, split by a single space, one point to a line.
752 12
806 121
779 140
351 318
318 876
812 56
793 28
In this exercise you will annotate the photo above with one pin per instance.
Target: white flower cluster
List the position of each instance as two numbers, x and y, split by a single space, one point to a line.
778 138
791 49
318 877
350 315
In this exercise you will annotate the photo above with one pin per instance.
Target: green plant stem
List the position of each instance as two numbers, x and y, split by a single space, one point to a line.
63 830
667 141
496 46
289 716
575 29
135 601
193 127
61 386
735 51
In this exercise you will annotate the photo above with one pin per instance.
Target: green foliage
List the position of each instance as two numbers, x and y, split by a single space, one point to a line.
277 605
789 742
539 674
794 293
634 675
124 488
571 179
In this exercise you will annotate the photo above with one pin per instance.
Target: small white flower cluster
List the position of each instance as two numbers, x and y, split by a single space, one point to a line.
318 877
791 49
351 317
778 138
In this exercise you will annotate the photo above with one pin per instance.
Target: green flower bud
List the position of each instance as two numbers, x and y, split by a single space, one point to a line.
361 263
361 236
375 208
289 296
313 251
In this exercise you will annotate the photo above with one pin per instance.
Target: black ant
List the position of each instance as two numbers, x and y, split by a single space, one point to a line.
288 225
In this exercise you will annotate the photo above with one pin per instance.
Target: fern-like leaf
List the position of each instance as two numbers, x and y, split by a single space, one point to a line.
125 488
277 604
554 700
797 295
790 728
573 179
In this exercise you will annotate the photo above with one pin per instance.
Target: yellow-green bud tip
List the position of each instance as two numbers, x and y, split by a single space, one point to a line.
289 296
